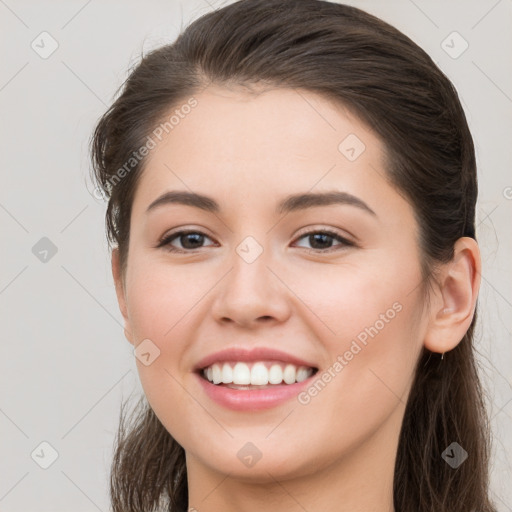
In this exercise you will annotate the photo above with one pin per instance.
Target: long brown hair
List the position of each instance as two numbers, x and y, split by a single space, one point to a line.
393 86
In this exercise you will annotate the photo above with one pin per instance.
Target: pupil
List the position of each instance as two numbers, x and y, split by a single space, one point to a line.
197 236
323 236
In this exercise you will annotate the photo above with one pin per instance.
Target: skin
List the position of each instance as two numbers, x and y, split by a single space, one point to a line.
248 151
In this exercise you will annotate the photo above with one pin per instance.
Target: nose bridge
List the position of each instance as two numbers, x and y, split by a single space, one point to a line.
250 271
251 290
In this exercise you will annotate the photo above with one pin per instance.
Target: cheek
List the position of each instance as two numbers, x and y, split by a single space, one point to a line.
368 324
345 299
161 299
160 302
367 381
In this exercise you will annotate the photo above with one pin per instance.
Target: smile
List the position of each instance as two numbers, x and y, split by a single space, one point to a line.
255 375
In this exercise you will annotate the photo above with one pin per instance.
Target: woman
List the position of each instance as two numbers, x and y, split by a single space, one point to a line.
292 189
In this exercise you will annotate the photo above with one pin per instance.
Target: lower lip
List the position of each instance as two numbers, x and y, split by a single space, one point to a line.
252 399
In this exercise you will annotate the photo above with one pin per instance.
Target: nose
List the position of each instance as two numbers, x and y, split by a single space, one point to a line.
251 294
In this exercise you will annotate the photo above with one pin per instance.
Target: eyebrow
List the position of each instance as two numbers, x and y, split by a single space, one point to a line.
290 203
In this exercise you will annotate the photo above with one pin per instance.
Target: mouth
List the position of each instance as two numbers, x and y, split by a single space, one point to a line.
252 386
240 379
255 375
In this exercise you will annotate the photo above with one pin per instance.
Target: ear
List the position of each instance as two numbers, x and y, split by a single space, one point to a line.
453 307
121 293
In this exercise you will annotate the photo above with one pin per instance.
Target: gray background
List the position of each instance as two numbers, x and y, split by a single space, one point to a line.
65 363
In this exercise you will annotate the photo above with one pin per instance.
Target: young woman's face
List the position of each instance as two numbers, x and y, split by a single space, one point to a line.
259 290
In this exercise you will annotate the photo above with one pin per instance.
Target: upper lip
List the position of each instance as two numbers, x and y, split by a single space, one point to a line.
255 354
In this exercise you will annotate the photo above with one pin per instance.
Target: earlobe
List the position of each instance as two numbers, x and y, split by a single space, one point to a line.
453 307
120 292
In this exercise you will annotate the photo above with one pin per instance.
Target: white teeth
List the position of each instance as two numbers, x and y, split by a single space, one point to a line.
275 375
227 374
216 374
259 375
256 374
241 374
289 374
302 374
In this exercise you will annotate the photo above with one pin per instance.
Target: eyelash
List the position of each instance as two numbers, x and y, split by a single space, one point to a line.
165 241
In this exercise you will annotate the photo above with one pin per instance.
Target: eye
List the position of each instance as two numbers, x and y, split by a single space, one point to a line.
189 241
321 240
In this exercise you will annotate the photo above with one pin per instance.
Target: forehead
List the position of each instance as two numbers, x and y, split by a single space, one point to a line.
276 138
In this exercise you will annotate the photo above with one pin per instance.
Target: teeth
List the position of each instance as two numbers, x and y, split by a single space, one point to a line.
289 374
227 374
256 374
216 374
302 374
275 374
241 374
259 375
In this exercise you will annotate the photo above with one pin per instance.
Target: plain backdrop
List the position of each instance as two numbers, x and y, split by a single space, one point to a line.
65 365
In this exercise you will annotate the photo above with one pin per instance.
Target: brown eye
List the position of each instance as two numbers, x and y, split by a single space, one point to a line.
322 240
189 241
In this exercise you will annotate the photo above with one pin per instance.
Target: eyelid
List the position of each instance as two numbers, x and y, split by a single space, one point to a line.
345 242
180 231
315 228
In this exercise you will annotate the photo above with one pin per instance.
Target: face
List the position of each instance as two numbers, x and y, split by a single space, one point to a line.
323 293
